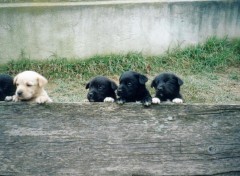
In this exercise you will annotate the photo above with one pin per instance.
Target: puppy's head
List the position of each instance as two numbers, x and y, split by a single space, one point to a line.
29 85
129 84
100 87
167 85
7 88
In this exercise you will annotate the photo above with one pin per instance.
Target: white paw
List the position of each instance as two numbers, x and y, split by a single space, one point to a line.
147 103
85 100
156 101
50 100
108 99
9 98
120 102
43 99
177 100
15 98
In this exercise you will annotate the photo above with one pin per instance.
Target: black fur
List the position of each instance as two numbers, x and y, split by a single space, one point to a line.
167 86
132 88
100 87
7 88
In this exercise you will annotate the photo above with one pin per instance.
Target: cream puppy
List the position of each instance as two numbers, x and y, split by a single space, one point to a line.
30 87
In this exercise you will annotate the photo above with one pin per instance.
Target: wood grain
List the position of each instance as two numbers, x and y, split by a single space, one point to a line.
109 139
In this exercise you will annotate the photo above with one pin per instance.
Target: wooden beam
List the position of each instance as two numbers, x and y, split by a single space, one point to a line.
109 139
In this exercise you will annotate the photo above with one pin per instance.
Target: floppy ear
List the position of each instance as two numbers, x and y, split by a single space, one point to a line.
41 81
87 85
114 85
15 79
153 84
180 82
120 77
142 79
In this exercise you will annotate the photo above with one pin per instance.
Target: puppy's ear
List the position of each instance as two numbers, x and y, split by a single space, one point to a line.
180 82
153 84
15 79
41 81
120 78
87 85
114 85
142 79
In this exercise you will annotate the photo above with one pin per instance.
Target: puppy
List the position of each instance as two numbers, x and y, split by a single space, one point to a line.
132 88
101 89
7 88
167 87
30 87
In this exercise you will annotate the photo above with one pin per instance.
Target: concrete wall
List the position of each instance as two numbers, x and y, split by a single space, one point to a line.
83 29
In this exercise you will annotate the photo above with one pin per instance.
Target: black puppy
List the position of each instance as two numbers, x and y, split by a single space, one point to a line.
167 87
7 88
101 89
132 88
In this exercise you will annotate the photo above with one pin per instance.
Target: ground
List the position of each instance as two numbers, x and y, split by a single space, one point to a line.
200 88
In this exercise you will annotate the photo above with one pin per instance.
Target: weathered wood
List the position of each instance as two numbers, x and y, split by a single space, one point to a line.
108 139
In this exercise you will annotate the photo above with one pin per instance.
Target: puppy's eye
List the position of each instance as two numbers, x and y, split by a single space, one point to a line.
17 84
100 87
129 84
29 85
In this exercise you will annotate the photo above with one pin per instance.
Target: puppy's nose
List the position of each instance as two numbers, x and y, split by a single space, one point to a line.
160 88
19 93
119 90
90 94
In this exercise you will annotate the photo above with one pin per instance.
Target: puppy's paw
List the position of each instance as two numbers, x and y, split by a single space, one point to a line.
147 103
120 101
85 100
9 98
108 99
43 99
177 100
156 100
50 100
15 98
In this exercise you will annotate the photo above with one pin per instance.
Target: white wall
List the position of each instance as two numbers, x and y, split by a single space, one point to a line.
83 29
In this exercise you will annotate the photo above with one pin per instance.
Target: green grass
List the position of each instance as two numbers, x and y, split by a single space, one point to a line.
213 55
203 67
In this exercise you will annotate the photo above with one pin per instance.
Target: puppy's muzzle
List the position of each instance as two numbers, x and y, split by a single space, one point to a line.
119 91
19 93
91 96
160 90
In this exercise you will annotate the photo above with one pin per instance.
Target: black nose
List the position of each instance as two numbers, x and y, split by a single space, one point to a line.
160 88
90 94
119 90
19 93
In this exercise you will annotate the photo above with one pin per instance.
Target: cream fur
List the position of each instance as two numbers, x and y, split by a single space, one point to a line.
30 87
